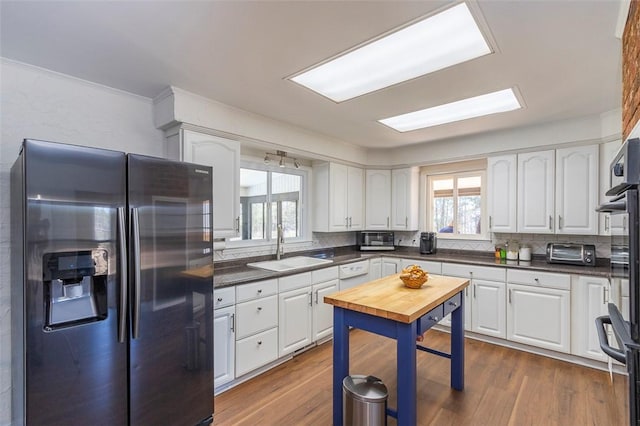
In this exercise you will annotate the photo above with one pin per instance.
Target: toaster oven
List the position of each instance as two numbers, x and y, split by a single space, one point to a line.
572 254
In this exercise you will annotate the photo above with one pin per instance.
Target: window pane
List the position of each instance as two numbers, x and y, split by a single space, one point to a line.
290 219
285 191
443 214
253 208
469 208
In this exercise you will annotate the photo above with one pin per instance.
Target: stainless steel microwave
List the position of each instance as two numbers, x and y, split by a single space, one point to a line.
573 254
375 240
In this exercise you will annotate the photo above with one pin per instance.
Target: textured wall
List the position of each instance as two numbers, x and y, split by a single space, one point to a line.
631 70
38 104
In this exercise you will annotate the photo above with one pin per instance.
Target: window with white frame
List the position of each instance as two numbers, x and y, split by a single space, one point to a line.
270 196
456 204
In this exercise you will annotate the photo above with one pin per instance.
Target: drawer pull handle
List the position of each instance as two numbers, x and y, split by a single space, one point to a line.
433 318
454 304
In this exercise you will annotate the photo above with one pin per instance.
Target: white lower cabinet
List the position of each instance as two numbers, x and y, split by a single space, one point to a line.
303 316
483 295
224 338
538 309
256 325
224 335
390 266
488 315
589 299
323 312
255 351
375 269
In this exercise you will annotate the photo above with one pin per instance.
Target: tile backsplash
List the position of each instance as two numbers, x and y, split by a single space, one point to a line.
537 242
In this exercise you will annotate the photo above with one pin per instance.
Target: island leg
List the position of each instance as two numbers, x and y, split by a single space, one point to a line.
340 360
406 371
457 347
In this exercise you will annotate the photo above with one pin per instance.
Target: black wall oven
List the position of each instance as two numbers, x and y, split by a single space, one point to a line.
625 263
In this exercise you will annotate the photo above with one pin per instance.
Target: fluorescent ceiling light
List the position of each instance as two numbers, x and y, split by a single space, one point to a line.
434 43
491 103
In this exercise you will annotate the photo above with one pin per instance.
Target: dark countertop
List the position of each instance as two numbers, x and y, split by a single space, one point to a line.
229 273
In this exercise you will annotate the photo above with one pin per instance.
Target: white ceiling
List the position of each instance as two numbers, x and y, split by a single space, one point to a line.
562 56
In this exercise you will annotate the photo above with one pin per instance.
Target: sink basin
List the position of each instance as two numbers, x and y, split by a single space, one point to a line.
289 264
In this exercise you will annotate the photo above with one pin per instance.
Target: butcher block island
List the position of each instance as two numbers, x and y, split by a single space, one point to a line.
389 298
388 308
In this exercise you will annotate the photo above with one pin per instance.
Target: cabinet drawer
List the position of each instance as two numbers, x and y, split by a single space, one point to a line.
539 279
256 315
452 303
224 297
431 267
293 282
474 272
430 319
256 351
324 275
256 290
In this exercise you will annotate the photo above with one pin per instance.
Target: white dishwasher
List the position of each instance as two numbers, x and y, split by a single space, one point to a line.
353 274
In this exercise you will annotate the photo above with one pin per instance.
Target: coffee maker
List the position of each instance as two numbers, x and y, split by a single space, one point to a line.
428 243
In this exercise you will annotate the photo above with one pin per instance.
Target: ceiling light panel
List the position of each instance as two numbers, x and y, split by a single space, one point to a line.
490 103
439 41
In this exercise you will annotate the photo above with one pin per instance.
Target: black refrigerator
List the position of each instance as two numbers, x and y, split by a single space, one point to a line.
108 325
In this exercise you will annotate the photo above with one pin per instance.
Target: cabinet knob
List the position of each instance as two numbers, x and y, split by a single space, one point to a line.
259 308
259 342
259 291
454 304
219 299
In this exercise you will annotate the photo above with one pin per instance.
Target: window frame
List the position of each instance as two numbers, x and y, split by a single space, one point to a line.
429 204
304 219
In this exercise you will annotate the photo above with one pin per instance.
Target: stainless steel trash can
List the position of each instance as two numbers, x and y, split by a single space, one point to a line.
364 401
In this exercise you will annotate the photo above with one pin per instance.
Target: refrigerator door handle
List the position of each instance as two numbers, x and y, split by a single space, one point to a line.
122 318
136 272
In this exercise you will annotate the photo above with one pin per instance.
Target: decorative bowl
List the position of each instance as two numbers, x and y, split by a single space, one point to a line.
414 276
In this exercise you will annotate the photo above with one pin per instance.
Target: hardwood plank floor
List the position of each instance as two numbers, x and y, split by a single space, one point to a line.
502 387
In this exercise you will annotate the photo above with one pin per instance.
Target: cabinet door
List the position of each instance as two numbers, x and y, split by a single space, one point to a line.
404 199
577 190
501 193
224 343
375 269
538 316
536 192
355 199
489 308
378 199
590 296
224 156
390 266
295 320
338 197
323 312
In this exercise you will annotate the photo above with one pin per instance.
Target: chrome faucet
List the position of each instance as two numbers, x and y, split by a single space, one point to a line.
280 242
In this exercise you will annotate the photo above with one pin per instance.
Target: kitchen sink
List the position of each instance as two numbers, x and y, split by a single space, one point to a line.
289 264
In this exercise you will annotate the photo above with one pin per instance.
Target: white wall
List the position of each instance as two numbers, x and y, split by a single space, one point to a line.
36 103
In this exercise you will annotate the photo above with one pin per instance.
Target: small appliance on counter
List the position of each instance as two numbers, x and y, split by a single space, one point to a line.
572 254
428 243
375 240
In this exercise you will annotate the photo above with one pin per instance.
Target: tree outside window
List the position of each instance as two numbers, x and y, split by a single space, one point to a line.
456 204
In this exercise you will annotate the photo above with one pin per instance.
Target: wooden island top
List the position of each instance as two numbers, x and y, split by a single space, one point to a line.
389 298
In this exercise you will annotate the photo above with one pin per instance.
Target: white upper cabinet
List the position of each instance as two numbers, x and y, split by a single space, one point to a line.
536 192
224 156
577 190
338 198
404 199
392 199
501 193
378 199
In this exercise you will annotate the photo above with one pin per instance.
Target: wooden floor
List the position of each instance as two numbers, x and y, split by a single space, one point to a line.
502 387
